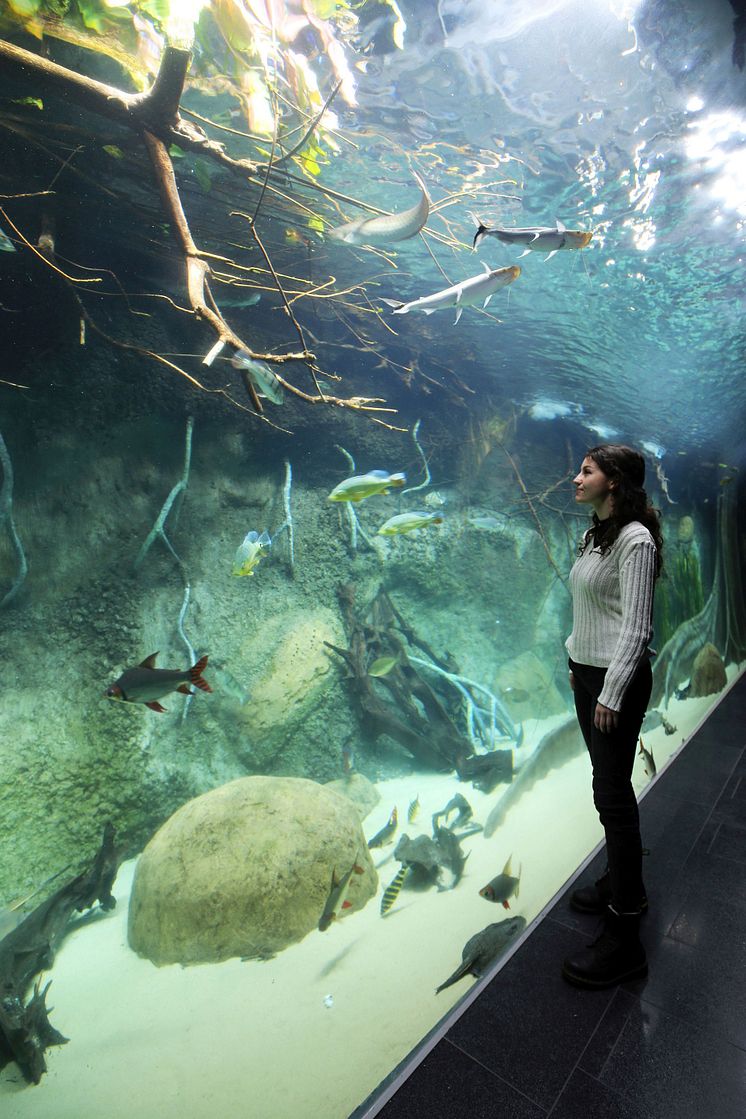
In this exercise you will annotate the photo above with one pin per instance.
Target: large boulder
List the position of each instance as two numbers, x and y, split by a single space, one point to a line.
708 672
245 870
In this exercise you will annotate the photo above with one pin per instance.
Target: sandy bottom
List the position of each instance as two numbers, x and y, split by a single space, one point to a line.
258 1038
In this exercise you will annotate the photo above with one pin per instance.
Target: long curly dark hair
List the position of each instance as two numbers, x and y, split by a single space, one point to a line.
624 467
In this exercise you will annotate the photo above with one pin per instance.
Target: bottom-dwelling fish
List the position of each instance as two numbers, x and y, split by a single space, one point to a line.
483 948
337 899
391 893
147 684
648 761
386 833
502 887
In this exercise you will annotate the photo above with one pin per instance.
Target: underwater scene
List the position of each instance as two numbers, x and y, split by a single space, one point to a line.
310 311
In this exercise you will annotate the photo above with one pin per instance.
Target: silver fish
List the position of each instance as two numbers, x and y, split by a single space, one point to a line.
261 376
477 289
648 761
147 684
387 227
6 245
537 238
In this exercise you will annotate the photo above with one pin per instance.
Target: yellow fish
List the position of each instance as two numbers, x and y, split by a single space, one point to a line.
382 666
391 893
413 810
253 548
365 485
408 522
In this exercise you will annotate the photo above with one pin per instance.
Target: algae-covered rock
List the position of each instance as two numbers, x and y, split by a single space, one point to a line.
296 667
708 672
245 870
362 792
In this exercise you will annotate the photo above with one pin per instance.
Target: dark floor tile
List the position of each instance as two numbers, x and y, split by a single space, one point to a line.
605 1036
704 988
700 772
450 1085
730 841
583 1096
732 802
529 1027
675 1070
710 929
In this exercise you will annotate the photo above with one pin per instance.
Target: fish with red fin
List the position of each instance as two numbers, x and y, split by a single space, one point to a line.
502 887
147 684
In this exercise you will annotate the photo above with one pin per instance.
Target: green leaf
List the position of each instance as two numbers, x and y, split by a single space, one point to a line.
202 175
35 101
114 151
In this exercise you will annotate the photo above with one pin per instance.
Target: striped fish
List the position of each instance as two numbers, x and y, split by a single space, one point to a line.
413 810
391 893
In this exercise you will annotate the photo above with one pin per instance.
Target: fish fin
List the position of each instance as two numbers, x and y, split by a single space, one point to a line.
561 228
358 869
487 300
459 311
534 238
481 233
506 904
346 905
149 662
486 267
195 674
506 868
550 255
524 253
155 706
396 304
185 689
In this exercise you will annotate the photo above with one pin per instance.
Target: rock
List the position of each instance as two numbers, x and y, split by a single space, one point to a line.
362 792
297 667
685 530
245 870
708 672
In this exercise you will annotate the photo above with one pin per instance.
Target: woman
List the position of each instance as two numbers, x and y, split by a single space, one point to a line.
612 584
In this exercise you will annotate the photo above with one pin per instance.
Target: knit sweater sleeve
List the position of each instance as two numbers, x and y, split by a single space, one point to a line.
637 581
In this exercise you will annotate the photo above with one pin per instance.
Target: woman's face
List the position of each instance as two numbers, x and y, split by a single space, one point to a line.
591 484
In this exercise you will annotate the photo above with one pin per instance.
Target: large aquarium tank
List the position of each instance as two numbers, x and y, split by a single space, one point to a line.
309 313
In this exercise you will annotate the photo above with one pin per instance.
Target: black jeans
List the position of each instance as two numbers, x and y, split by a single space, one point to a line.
612 757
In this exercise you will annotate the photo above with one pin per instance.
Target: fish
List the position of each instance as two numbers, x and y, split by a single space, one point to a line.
250 551
261 376
668 728
648 762
502 887
227 685
6 245
516 695
414 810
464 294
386 228
386 834
366 485
348 762
537 238
484 947
391 893
337 898
239 301
383 665
452 857
488 524
408 522
147 684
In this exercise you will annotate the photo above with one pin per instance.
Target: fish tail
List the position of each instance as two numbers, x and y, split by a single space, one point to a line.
195 674
481 232
395 304
459 973
391 893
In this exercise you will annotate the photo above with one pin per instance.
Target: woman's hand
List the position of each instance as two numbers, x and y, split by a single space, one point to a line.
605 719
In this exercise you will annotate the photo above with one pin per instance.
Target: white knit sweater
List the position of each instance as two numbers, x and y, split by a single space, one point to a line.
612 599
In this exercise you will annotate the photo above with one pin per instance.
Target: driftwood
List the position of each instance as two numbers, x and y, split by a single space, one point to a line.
415 716
25 1029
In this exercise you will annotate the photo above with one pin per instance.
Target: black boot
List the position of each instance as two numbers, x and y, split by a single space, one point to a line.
595 898
615 956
